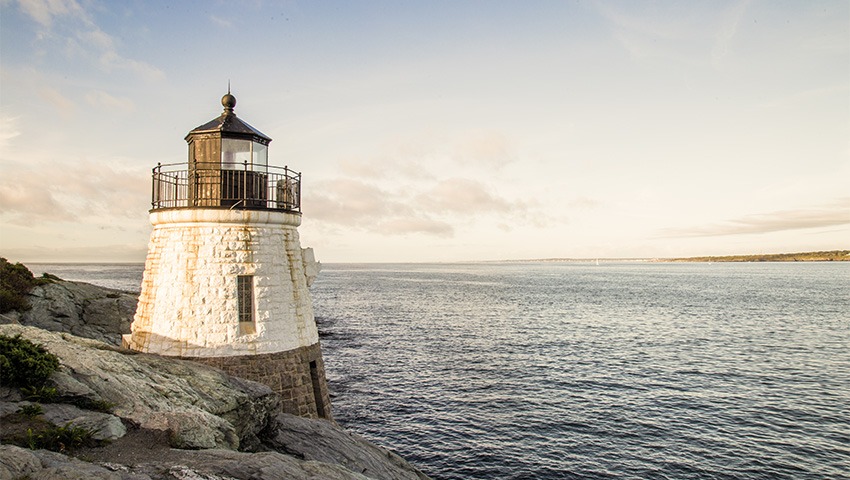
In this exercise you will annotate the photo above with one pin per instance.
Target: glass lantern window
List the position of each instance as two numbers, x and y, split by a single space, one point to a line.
260 156
235 153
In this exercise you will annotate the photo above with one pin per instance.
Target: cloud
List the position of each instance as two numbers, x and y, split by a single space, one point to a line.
490 148
221 22
47 191
356 204
43 11
727 31
401 226
8 130
85 37
585 203
55 98
673 32
465 196
110 60
641 33
428 184
423 157
89 253
25 200
101 99
362 168
384 166
350 201
831 215
430 207
97 38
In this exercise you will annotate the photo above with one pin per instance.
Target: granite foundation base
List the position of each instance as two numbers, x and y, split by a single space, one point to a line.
298 376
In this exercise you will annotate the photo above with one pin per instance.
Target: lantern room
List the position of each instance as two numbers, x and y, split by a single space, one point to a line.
228 167
229 141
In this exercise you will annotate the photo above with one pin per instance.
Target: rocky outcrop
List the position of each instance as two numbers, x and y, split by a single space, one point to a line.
311 266
104 425
16 462
181 419
80 309
199 406
324 442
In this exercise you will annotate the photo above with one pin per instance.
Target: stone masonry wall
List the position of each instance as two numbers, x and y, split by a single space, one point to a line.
188 304
287 373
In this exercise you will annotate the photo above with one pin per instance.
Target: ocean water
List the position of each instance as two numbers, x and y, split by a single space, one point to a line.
120 276
573 370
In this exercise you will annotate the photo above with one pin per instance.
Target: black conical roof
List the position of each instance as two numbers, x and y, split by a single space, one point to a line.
228 125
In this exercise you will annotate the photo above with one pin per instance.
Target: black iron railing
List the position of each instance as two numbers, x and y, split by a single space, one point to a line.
225 185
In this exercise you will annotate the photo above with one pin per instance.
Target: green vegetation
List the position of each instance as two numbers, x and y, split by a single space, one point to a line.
830 256
16 281
41 393
96 405
60 439
31 410
25 364
27 428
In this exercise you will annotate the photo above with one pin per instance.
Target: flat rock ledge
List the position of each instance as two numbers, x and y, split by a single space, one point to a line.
175 419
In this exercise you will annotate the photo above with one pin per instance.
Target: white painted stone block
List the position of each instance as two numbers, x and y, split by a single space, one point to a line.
188 305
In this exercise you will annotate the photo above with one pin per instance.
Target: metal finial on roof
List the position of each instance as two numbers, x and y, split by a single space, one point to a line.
228 125
228 101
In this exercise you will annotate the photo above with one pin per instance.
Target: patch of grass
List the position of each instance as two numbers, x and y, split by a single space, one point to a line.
48 277
61 439
97 405
41 394
31 410
23 363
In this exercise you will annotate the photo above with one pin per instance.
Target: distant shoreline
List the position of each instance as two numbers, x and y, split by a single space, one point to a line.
828 256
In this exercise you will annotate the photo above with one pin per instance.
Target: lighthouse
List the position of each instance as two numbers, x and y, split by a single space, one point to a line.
226 280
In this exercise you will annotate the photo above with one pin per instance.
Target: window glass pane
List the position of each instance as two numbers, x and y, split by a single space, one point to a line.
245 302
234 153
261 154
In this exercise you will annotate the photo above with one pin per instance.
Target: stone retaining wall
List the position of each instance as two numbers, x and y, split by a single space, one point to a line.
298 376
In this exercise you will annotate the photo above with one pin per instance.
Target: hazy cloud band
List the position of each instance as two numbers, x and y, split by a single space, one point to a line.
827 216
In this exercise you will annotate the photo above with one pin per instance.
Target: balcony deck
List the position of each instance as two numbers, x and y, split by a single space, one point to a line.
225 185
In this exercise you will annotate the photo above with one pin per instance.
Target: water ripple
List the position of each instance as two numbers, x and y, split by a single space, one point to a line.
550 371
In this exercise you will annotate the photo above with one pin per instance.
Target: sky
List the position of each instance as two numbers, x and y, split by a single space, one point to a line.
440 131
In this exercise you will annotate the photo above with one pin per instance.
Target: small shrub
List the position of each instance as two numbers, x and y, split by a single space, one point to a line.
31 410
48 278
23 363
16 281
41 394
97 405
60 439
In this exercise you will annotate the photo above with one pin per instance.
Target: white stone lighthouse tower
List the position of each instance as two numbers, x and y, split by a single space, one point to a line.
226 278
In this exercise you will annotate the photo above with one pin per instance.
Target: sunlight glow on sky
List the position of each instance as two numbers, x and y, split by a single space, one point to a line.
440 130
